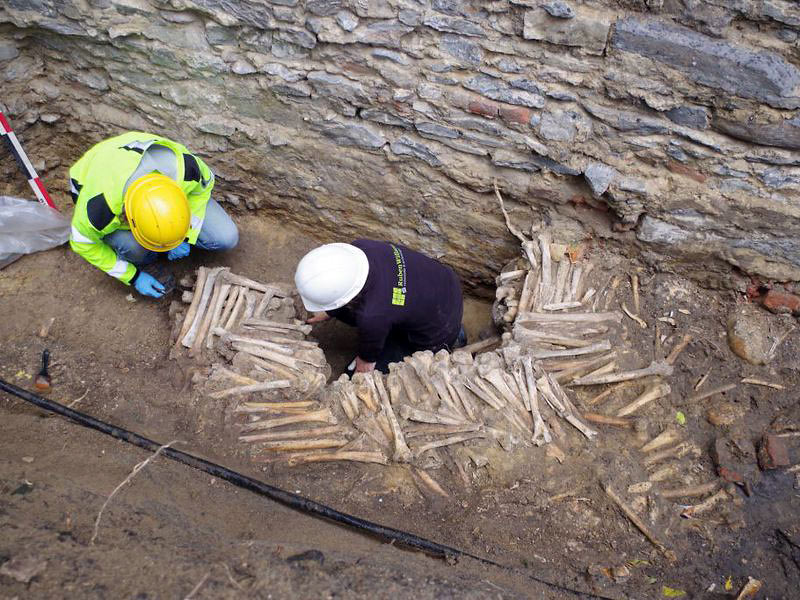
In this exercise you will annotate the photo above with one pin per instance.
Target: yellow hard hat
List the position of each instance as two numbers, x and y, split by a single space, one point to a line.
157 212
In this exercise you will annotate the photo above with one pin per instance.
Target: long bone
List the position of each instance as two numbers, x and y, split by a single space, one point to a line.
233 317
364 392
295 445
458 388
368 424
200 338
519 376
541 434
365 457
584 317
421 369
655 368
665 438
402 453
217 314
545 280
191 312
591 349
250 389
251 284
404 374
554 306
554 396
205 295
257 407
571 294
295 434
267 324
395 387
233 297
518 404
480 389
495 377
440 384
269 355
228 337
319 416
423 416
455 439
678 451
655 391
562 273
586 367
424 430
527 291
249 304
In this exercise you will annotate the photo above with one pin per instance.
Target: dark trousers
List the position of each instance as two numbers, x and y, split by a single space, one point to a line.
397 347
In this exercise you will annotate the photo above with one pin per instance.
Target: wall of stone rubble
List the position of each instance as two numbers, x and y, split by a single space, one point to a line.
670 126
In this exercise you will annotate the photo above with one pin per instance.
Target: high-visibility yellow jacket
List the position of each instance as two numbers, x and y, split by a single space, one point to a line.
97 182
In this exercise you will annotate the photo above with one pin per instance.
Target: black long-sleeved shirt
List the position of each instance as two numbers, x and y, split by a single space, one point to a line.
408 293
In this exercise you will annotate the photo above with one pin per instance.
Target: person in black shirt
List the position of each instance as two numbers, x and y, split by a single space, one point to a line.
400 300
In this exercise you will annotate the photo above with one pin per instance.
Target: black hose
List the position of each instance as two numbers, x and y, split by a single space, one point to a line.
287 498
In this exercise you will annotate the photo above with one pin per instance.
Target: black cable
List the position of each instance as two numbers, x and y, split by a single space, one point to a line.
289 499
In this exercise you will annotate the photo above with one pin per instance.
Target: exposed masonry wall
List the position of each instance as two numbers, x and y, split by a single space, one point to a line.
670 126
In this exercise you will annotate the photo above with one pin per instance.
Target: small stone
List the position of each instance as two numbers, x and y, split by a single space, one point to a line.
735 460
748 330
599 177
23 569
559 10
130 298
726 413
781 302
27 459
772 453
346 20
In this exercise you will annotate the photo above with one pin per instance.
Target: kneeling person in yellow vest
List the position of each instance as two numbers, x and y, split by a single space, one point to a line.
138 195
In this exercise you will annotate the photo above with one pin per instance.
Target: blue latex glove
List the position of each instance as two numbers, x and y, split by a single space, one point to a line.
147 285
181 251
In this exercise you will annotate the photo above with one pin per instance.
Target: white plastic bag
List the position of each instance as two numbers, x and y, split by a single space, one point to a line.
27 226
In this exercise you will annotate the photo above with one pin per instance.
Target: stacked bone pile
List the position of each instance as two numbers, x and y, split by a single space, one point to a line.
252 326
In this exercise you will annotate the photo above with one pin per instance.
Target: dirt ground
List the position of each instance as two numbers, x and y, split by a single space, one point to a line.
174 532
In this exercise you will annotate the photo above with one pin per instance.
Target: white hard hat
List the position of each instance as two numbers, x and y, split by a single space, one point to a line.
330 276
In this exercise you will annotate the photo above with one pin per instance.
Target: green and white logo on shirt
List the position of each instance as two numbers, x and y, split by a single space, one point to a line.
399 291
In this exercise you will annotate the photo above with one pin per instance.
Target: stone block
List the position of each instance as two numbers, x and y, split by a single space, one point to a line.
497 89
454 25
354 134
599 177
689 116
748 335
405 146
587 30
559 9
347 20
515 114
781 133
467 51
427 128
719 64
772 452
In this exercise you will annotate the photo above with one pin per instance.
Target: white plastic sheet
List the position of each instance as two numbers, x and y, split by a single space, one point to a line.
27 226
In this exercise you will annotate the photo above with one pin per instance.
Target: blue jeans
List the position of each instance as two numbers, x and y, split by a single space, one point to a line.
219 232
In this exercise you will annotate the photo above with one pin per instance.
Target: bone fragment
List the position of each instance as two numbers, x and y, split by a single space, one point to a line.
717 390
640 488
495 377
641 322
430 483
754 381
424 430
577 363
477 347
228 337
238 307
655 391
250 389
505 291
249 304
347 407
594 367
191 312
190 337
678 348
510 315
571 294
750 589
421 368
558 401
276 325
263 303
562 274
688 492
523 335
256 407
606 420
365 457
519 377
402 453
705 505
510 276
675 452
368 424
529 248
634 518
455 439
395 387
268 355
590 349
588 295
294 434
526 295
423 416
477 387
404 376
200 337
364 392
561 306
577 317
541 434
187 296
253 285
319 416
655 368
440 384
224 371
545 280
666 472
278 370
217 314
458 390
601 396
665 438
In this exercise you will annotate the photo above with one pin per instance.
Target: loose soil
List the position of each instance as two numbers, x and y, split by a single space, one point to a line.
173 532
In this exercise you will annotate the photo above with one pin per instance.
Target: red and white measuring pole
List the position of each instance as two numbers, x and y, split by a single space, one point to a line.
24 164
